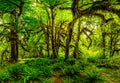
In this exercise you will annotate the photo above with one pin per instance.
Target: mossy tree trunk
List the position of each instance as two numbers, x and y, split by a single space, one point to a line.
74 9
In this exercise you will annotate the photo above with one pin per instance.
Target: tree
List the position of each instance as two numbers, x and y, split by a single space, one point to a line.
15 11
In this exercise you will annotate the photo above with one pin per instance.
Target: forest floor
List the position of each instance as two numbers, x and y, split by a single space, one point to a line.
111 70
45 70
112 76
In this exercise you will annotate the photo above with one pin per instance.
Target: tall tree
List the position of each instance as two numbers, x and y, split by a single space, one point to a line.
74 9
15 11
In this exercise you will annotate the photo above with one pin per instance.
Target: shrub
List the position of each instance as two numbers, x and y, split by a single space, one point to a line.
71 70
71 61
92 75
60 59
4 76
58 65
17 71
83 64
45 71
38 62
42 65
31 75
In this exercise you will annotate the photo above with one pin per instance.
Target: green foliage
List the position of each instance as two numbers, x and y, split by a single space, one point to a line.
4 76
7 6
71 61
110 63
43 66
71 70
38 62
42 69
93 59
31 22
58 66
93 75
50 2
17 71
31 74
43 20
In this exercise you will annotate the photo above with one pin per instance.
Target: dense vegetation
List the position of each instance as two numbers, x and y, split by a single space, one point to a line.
59 41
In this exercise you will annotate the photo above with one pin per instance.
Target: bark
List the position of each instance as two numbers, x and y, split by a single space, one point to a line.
14 36
58 42
53 34
75 53
115 46
111 45
4 53
14 46
69 36
74 10
103 42
47 34
48 45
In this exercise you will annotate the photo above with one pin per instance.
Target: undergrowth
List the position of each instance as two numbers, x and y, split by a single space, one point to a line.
84 70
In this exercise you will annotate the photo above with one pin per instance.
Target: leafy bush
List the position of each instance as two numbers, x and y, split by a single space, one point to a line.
38 62
83 64
71 61
71 70
45 71
42 65
58 65
43 61
31 74
60 59
4 76
92 75
17 71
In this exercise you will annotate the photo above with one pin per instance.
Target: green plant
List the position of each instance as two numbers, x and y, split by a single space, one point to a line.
17 71
31 74
38 62
71 61
45 71
83 64
93 75
4 76
42 65
72 70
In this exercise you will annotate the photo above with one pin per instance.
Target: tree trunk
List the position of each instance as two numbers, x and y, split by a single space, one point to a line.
111 45
47 39
74 9
53 34
103 42
47 33
14 46
69 36
75 53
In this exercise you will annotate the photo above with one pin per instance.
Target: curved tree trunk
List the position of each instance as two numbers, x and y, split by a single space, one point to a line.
68 40
74 9
75 53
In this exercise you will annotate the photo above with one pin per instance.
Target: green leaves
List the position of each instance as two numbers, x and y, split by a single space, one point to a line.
8 5
4 76
17 71
50 2
5 6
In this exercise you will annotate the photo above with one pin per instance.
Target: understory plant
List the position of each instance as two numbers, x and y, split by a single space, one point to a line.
93 75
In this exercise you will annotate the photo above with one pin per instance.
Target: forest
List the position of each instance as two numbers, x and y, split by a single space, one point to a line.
59 41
